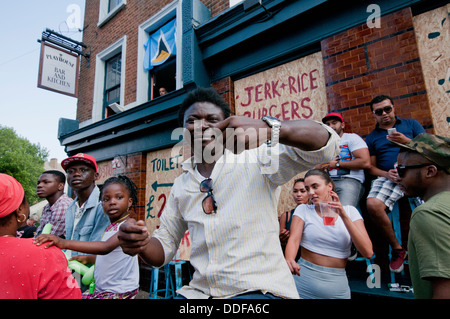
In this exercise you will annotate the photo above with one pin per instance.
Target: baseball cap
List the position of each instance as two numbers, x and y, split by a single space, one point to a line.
333 115
433 147
11 194
80 157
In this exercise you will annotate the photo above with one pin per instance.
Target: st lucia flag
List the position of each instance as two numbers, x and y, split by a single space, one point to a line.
160 45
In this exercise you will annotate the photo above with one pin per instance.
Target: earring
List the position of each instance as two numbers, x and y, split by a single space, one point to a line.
24 218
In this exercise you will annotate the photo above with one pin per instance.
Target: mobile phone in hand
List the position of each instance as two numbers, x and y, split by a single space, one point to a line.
392 130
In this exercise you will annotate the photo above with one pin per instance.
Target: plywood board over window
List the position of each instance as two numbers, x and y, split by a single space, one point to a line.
292 91
163 167
433 37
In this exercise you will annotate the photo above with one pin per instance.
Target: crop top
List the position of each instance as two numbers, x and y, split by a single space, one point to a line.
332 241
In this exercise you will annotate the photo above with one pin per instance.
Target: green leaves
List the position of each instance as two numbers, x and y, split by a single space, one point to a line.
22 160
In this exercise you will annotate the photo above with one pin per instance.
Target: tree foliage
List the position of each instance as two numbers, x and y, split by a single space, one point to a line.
22 159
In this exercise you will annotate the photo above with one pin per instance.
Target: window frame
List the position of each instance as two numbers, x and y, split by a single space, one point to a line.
112 88
118 2
105 13
100 75
144 84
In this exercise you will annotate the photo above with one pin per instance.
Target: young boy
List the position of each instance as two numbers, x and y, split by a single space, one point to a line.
85 219
50 186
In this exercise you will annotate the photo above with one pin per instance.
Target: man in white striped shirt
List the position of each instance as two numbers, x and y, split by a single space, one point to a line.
227 198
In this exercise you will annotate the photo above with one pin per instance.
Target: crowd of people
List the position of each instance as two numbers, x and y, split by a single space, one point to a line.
228 202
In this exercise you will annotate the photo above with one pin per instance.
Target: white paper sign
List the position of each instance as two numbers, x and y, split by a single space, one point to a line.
58 70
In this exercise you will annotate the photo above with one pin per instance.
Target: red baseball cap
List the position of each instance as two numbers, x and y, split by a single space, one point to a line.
80 157
11 195
333 115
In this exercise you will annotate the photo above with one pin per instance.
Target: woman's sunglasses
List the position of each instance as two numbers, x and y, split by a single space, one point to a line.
209 203
379 112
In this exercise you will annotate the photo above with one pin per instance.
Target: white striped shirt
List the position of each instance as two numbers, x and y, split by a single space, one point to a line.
236 250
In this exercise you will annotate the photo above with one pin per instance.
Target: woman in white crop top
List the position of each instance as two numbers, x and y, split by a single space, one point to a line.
324 249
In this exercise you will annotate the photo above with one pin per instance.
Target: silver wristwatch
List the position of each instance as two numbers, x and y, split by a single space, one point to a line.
275 125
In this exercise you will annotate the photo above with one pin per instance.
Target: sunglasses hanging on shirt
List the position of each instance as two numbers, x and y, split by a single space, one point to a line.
209 203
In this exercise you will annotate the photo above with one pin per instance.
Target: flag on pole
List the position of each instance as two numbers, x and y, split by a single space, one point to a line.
161 45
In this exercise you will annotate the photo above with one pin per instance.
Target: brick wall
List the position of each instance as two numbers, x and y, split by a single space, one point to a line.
216 6
87 74
225 87
364 62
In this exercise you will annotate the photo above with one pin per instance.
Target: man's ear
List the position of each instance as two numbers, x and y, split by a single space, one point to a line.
431 171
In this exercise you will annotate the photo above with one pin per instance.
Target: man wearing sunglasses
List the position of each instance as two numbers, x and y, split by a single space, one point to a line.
385 192
424 171
229 203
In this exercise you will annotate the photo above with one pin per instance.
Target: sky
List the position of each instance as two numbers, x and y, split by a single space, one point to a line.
33 112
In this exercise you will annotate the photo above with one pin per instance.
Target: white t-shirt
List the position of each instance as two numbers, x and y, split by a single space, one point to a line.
333 241
116 272
350 142
79 211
